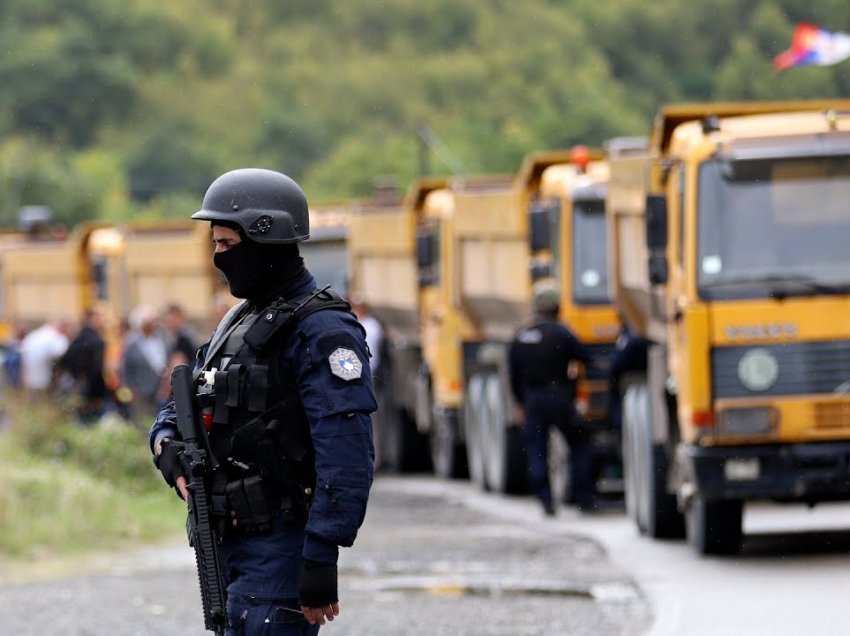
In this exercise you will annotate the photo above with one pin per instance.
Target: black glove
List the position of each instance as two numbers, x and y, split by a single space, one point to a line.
169 460
317 586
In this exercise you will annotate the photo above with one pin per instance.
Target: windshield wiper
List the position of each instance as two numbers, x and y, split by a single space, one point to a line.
783 285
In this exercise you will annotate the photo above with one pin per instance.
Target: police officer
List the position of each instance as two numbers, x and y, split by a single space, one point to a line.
306 384
630 354
539 359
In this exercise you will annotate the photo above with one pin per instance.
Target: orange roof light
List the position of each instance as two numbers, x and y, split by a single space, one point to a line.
580 157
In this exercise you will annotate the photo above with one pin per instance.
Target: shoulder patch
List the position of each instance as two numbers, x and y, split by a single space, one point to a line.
530 336
345 364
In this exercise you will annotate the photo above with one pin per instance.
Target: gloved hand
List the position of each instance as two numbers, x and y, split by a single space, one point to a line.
317 586
168 461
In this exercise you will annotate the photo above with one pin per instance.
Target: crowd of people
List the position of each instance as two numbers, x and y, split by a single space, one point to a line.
91 373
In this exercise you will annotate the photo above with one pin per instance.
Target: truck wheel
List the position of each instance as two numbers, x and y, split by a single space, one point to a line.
448 454
658 515
631 487
503 454
715 527
472 426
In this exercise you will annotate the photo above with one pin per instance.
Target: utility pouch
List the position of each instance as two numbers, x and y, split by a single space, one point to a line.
265 327
250 509
279 314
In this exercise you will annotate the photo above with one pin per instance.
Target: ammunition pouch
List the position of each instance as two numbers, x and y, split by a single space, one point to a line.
250 507
271 470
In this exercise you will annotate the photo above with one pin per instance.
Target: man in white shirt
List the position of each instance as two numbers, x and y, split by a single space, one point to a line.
40 349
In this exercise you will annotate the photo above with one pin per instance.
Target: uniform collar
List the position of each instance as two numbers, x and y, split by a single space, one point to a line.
300 285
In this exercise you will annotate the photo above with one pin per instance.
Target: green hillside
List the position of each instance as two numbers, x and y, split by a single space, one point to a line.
115 110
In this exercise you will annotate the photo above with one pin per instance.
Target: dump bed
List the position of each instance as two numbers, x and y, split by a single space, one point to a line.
491 226
382 260
625 208
163 265
41 281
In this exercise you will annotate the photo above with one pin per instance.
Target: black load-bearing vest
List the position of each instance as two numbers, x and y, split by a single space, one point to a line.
259 424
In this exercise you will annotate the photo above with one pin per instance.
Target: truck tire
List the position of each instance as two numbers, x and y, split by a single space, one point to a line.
715 527
657 512
504 459
448 453
631 486
472 425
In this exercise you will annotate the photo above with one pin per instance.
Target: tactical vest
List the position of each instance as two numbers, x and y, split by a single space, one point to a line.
260 433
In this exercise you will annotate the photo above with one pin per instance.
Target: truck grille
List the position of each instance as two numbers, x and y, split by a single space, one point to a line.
804 368
832 416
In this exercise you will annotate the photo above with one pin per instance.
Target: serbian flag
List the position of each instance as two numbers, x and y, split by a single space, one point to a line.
811 46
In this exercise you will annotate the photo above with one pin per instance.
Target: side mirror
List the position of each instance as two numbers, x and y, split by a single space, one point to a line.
539 271
539 228
656 222
657 266
100 277
424 250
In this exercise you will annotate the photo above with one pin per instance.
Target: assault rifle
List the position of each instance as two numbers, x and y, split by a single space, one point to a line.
201 468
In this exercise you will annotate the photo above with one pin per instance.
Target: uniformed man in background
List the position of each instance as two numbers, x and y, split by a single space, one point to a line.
543 386
309 386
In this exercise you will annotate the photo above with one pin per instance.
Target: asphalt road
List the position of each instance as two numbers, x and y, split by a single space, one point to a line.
433 558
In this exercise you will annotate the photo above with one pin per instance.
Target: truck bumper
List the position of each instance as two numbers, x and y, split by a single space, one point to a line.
807 472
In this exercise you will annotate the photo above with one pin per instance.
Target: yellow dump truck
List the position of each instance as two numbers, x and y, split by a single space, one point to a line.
118 267
548 224
447 325
729 260
113 267
382 256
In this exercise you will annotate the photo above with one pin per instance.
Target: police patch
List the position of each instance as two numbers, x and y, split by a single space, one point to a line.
345 364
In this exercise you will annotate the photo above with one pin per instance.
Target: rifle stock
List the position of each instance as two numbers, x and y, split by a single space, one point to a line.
201 466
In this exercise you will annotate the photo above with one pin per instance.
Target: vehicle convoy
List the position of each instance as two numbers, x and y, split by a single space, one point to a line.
548 225
118 267
728 249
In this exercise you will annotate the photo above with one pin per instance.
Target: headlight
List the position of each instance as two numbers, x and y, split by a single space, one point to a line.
746 422
758 369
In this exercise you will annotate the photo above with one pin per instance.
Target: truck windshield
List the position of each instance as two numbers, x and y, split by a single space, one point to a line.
590 246
327 262
773 228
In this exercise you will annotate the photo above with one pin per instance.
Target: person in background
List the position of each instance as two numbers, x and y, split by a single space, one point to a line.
306 386
377 342
83 362
539 360
41 349
182 345
629 355
374 333
145 361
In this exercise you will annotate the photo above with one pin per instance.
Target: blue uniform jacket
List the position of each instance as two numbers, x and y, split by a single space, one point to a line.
539 355
338 410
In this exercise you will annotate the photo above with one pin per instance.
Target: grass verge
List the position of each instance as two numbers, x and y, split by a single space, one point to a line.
67 490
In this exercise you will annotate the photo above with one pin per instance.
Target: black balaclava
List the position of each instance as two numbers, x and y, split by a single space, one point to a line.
259 272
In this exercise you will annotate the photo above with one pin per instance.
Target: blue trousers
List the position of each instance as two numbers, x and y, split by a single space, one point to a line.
542 413
261 578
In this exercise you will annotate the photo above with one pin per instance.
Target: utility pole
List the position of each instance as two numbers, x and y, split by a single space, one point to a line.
429 142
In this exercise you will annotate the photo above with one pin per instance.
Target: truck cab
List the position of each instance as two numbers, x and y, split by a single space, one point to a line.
728 261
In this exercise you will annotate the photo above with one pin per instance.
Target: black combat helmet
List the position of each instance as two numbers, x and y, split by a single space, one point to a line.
268 206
